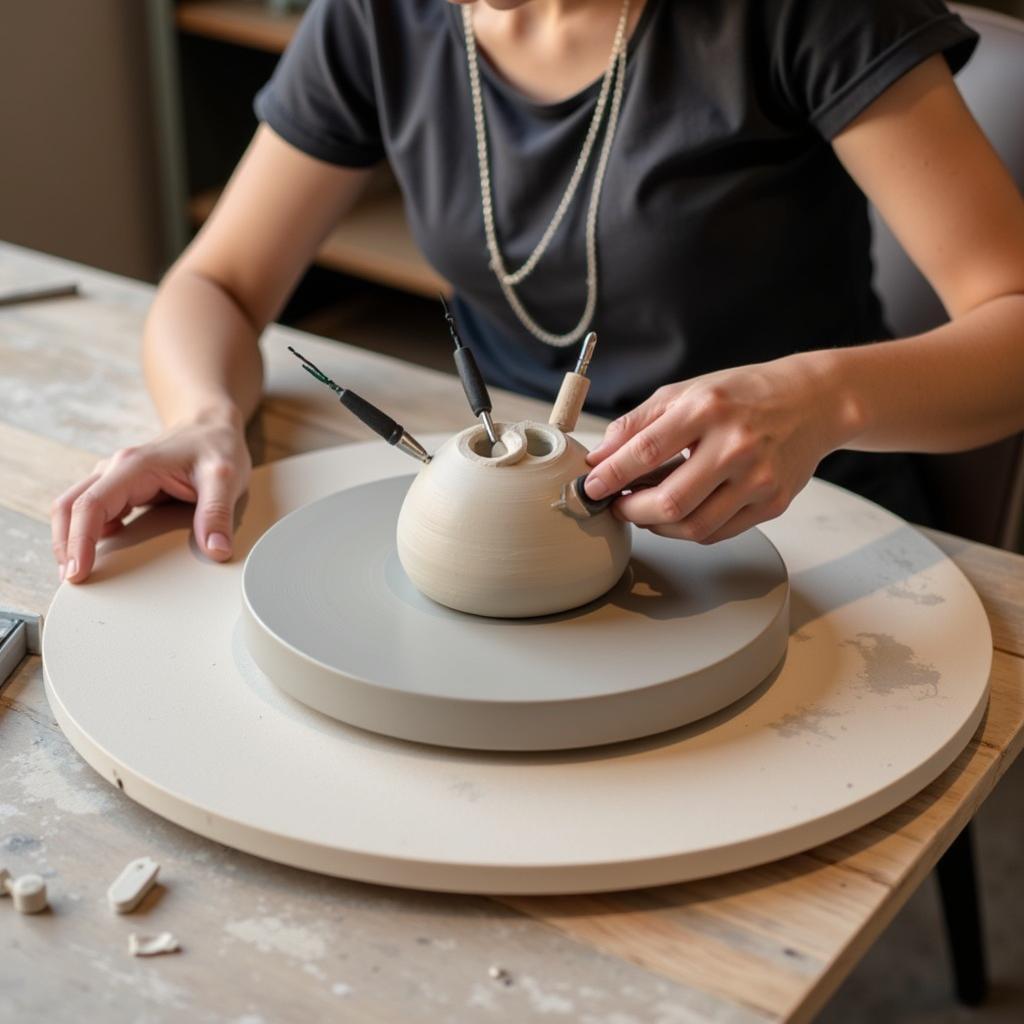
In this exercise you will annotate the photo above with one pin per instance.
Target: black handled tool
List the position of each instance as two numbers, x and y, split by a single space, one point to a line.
379 422
472 380
574 501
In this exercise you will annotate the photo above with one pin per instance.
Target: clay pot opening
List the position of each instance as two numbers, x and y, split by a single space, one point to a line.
481 445
539 442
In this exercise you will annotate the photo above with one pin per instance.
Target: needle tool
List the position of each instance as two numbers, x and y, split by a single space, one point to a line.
379 422
573 392
472 380
574 501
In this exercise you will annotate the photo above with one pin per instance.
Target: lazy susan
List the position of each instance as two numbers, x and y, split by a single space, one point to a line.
884 681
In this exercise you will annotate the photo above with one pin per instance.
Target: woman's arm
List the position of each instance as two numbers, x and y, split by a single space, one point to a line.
199 346
200 353
758 432
920 157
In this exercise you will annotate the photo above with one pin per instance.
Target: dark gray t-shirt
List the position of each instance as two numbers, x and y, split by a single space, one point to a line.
729 232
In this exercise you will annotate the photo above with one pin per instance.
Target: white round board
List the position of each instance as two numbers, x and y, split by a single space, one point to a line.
884 682
330 616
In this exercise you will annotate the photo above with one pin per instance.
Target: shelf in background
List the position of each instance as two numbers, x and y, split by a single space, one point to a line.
244 22
372 241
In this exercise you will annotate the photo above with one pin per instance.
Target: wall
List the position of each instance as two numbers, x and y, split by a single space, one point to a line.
78 171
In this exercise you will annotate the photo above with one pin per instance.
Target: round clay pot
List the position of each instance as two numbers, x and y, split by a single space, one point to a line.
478 533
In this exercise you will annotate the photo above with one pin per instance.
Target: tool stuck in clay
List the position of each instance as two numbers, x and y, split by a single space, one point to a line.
573 392
472 379
574 502
378 421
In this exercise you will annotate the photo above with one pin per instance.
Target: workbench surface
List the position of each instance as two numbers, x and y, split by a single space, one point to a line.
265 943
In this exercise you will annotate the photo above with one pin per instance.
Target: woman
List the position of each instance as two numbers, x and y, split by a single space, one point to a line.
713 229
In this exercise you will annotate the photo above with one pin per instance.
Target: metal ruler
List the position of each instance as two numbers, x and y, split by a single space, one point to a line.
20 634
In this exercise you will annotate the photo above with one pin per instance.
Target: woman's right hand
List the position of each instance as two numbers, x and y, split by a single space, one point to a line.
204 461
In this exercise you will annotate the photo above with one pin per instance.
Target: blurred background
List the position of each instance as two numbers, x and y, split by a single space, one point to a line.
116 147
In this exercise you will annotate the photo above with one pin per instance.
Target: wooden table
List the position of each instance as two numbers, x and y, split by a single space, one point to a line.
269 943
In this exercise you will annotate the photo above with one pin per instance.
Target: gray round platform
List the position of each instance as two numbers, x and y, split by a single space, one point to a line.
331 617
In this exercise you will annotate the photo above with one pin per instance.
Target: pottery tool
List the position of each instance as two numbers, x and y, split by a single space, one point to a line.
472 380
573 392
57 291
130 887
19 636
377 420
574 501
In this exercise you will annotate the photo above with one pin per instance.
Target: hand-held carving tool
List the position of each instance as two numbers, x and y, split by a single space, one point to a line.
379 422
573 392
472 380
574 501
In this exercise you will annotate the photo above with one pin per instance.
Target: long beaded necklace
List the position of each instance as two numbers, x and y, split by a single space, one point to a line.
613 83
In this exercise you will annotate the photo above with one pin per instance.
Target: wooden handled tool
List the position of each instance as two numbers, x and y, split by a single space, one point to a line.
573 392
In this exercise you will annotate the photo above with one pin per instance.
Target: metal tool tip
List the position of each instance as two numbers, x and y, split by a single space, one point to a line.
586 353
485 419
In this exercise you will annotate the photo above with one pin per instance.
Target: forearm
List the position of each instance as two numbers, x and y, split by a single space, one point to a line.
200 352
956 387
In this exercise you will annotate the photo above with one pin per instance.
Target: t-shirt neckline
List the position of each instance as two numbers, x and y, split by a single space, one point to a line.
557 107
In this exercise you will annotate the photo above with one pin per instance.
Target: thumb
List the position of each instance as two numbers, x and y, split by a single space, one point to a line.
216 495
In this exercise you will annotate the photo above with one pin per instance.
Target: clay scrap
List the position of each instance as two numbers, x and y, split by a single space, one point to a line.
129 889
27 892
152 945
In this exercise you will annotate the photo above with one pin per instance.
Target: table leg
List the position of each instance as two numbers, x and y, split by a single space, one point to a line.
958 887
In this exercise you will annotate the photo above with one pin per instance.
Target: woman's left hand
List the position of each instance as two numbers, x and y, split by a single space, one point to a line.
755 435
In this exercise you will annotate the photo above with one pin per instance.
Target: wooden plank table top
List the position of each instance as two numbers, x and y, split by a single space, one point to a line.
266 943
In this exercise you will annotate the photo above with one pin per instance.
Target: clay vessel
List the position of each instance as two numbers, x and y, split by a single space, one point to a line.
478 533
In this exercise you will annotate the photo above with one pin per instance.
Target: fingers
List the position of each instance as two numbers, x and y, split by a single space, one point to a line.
658 441
747 517
60 519
218 486
94 508
676 497
98 504
621 430
729 512
708 517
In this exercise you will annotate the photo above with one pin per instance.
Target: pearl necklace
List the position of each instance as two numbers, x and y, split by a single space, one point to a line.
612 83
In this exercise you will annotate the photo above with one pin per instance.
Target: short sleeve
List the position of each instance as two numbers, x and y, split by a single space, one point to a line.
833 58
321 96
